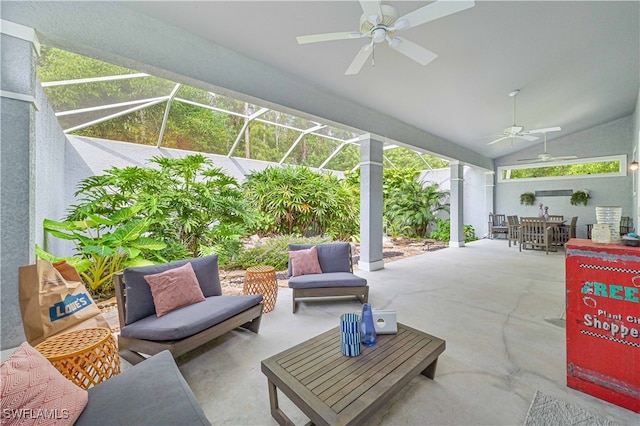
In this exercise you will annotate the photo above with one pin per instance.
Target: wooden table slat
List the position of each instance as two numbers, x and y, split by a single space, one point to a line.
370 374
332 389
354 365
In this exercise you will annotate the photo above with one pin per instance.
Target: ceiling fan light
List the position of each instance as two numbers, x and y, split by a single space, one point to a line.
379 35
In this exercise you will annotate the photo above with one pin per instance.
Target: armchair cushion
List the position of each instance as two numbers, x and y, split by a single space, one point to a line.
139 300
327 279
191 319
305 262
174 289
333 257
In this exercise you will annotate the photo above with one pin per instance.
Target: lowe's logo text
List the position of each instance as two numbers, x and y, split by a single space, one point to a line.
69 306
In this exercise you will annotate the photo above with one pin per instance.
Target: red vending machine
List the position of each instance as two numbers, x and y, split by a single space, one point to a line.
603 321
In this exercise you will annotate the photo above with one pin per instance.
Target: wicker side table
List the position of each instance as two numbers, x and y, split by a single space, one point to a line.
86 357
262 280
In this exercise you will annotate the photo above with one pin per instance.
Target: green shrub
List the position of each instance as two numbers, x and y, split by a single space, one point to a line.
412 207
190 205
443 231
297 200
273 252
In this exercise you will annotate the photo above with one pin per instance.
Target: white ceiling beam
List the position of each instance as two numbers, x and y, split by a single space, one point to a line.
333 154
94 79
109 117
299 138
165 118
247 121
108 106
198 104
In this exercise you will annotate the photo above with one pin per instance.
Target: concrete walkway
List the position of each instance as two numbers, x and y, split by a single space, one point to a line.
494 306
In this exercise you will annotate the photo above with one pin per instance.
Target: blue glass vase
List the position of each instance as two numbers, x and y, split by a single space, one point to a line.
368 334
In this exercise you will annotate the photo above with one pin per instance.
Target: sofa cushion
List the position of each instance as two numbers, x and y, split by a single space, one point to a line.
139 301
189 320
304 262
31 384
174 288
327 279
150 393
333 257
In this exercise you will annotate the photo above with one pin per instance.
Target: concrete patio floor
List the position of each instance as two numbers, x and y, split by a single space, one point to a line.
493 306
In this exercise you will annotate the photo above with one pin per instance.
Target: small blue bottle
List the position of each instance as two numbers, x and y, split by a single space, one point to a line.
368 334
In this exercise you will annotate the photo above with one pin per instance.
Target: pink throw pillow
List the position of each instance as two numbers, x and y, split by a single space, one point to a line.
34 392
174 288
305 262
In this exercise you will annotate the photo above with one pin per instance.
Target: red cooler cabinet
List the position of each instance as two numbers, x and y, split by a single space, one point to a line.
603 321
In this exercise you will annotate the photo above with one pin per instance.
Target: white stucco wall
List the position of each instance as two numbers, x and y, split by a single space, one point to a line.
613 138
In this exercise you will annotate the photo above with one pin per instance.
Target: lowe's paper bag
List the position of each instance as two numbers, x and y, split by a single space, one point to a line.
53 299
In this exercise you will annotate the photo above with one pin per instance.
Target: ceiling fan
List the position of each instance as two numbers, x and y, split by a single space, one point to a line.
517 131
379 22
545 156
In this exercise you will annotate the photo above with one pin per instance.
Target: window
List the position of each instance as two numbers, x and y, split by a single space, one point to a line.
599 167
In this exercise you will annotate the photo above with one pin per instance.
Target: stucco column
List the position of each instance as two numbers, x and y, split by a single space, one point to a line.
490 187
457 205
371 204
17 208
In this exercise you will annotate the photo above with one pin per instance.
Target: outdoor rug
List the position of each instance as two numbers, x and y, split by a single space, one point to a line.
546 410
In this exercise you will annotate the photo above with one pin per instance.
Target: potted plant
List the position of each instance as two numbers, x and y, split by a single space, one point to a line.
580 196
527 198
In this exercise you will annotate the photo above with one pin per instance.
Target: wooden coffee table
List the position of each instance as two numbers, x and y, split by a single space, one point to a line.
332 389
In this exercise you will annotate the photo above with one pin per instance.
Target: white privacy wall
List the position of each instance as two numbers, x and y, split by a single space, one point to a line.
613 138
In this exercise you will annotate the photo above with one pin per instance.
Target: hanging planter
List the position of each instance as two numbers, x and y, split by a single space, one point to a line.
527 198
580 196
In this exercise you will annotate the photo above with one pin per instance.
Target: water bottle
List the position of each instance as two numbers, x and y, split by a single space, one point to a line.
368 334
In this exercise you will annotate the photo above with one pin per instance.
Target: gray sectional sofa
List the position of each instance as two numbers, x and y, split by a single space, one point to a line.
150 393
337 277
184 329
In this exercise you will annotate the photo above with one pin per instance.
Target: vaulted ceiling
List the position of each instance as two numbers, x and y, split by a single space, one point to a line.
577 63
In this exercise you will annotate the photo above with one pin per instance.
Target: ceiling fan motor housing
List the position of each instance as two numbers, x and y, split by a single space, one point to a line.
388 18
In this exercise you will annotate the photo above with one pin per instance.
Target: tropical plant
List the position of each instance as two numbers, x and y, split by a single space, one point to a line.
273 251
303 202
442 232
580 196
188 204
105 245
527 198
412 207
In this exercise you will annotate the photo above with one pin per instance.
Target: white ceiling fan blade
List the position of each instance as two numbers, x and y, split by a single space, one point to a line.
371 8
315 38
565 157
498 140
548 129
533 160
431 12
412 50
359 60
526 137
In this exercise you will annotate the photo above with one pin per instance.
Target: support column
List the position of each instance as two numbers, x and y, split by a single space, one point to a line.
489 197
371 205
456 212
17 210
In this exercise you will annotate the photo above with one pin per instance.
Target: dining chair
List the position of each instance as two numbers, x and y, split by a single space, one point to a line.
535 233
513 234
498 225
